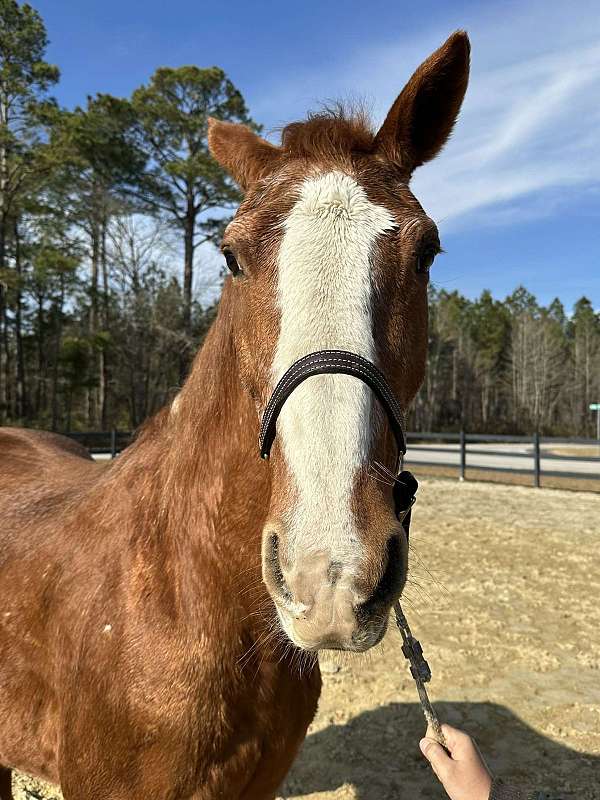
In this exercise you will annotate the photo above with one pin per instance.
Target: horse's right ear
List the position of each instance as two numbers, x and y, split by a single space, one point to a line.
423 115
245 155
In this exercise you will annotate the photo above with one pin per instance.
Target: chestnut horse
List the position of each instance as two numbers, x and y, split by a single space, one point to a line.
147 649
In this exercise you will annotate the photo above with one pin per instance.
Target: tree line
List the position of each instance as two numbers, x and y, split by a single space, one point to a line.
509 366
97 204
102 211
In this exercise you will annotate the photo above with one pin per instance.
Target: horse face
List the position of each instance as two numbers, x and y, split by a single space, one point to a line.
331 250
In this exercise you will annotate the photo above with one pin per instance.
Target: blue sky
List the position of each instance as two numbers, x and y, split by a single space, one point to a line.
516 193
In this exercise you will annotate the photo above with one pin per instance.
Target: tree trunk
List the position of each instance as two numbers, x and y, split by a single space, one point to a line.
188 271
3 376
6 359
4 387
103 366
57 340
188 281
22 404
40 392
93 403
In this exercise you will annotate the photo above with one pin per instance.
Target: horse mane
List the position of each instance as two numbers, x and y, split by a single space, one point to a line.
336 131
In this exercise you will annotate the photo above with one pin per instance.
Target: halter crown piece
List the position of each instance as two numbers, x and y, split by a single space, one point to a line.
404 483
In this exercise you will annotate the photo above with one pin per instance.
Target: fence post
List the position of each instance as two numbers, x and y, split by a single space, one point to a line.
463 456
536 460
113 443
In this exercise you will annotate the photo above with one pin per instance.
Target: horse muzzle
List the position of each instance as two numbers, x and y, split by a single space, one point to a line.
326 604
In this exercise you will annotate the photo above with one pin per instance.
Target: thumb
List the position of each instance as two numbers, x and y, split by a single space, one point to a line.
435 754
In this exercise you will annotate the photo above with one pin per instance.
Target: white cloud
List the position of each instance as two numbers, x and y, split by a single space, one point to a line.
530 124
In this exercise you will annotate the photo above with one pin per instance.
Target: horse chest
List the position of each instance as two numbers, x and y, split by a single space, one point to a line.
268 720
215 727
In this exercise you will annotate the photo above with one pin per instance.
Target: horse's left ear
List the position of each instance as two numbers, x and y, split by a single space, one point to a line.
423 115
245 155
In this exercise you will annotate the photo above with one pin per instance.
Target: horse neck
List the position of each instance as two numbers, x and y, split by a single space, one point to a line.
206 495
216 422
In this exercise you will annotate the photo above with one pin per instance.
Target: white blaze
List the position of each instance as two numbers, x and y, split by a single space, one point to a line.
325 300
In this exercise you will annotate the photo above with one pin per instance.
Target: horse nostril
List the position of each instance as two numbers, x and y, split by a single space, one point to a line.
273 573
334 572
389 585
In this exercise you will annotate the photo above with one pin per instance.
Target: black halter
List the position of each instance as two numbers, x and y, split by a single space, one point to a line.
345 363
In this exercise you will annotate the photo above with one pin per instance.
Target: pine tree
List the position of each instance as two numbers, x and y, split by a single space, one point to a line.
24 81
183 183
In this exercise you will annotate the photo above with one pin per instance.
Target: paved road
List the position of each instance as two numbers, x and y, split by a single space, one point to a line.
510 456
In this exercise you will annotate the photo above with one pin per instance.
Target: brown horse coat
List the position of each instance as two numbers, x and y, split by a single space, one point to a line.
125 626
142 655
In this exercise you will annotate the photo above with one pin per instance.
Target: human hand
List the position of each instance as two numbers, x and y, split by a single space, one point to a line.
463 774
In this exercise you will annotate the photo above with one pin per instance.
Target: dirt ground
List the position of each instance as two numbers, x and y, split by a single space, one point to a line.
504 594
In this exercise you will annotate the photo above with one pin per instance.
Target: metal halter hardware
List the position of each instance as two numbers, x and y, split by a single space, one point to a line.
346 363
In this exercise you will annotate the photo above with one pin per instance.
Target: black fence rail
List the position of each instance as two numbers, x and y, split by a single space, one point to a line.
464 451
537 451
103 442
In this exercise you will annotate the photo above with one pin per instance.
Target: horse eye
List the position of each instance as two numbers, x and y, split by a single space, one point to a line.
232 263
425 259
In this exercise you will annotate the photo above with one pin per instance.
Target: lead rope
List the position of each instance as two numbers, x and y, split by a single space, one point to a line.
405 487
419 669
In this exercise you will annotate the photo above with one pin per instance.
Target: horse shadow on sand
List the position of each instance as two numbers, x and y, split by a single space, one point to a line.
377 754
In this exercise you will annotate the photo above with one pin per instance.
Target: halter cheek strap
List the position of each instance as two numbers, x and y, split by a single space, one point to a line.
343 362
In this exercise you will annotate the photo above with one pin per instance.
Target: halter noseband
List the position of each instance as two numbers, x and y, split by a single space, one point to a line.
343 362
